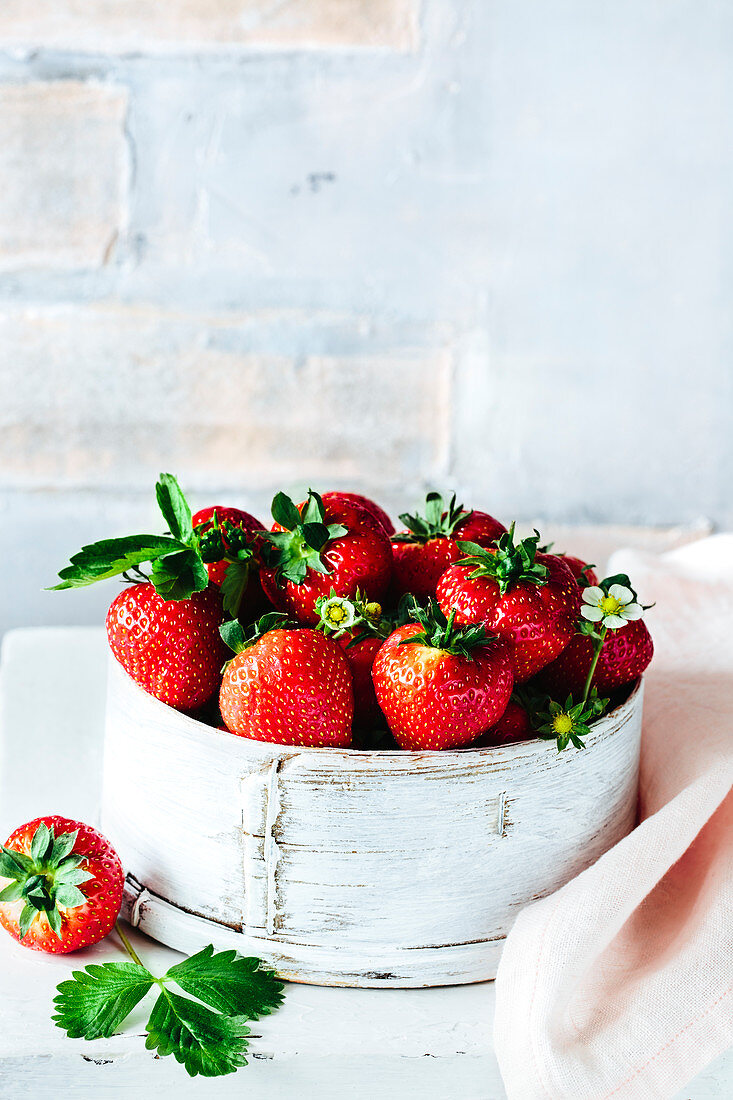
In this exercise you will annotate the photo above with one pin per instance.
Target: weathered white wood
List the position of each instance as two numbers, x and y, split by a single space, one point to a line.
353 868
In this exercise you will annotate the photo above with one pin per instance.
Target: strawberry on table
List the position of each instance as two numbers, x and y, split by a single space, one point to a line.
612 647
316 547
439 685
62 885
423 552
528 598
370 506
287 684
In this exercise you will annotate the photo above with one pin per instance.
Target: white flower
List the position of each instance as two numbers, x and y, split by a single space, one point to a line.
337 613
613 610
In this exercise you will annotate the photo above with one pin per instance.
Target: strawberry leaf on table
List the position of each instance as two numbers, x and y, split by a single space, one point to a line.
207 1038
174 507
203 1041
95 1001
228 982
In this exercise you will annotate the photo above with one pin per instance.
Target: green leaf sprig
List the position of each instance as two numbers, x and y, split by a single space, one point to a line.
203 1026
440 521
508 564
441 633
176 562
47 880
305 535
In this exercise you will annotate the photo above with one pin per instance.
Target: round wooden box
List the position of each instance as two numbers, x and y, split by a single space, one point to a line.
341 867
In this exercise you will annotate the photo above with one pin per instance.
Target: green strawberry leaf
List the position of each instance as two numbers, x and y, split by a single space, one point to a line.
27 916
12 892
285 512
234 586
178 575
97 999
42 840
174 507
228 982
14 864
201 1040
111 557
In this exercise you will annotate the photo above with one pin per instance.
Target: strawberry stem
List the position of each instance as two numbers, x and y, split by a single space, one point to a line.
598 645
128 946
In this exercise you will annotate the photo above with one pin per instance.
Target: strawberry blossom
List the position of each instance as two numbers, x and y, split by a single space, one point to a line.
612 609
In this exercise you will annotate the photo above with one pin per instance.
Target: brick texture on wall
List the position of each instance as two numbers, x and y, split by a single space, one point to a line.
379 244
110 26
64 172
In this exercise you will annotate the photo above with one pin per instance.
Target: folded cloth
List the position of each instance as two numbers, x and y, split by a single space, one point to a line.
621 983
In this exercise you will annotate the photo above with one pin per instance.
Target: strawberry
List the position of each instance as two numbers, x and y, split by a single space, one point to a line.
583 573
528 598
225 523
316 547
514 725
171 648
287 685
228 542
65 885
359 628
439 686
623 656
369 506
424 551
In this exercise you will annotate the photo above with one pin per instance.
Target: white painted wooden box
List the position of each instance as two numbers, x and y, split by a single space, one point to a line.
341 867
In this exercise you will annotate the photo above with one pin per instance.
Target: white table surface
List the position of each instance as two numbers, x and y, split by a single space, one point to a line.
429 1044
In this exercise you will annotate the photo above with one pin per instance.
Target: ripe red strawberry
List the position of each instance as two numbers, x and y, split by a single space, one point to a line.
171 648
624 655
429 546
359 628
514 725
225 534
290 686
360 649
224 520
529 599
583 573
369 506
441 687
317 547
63 885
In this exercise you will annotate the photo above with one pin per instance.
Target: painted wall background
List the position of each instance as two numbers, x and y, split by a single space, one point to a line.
384 244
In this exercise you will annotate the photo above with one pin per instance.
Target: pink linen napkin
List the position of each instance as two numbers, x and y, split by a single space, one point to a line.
621 984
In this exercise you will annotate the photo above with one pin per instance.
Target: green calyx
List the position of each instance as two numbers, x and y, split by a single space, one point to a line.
439 522
175 563
298 548
47 880
509 564
237 638
355 615
441 633
570 723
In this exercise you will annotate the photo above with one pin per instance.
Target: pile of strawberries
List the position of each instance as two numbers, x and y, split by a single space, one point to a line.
450 633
